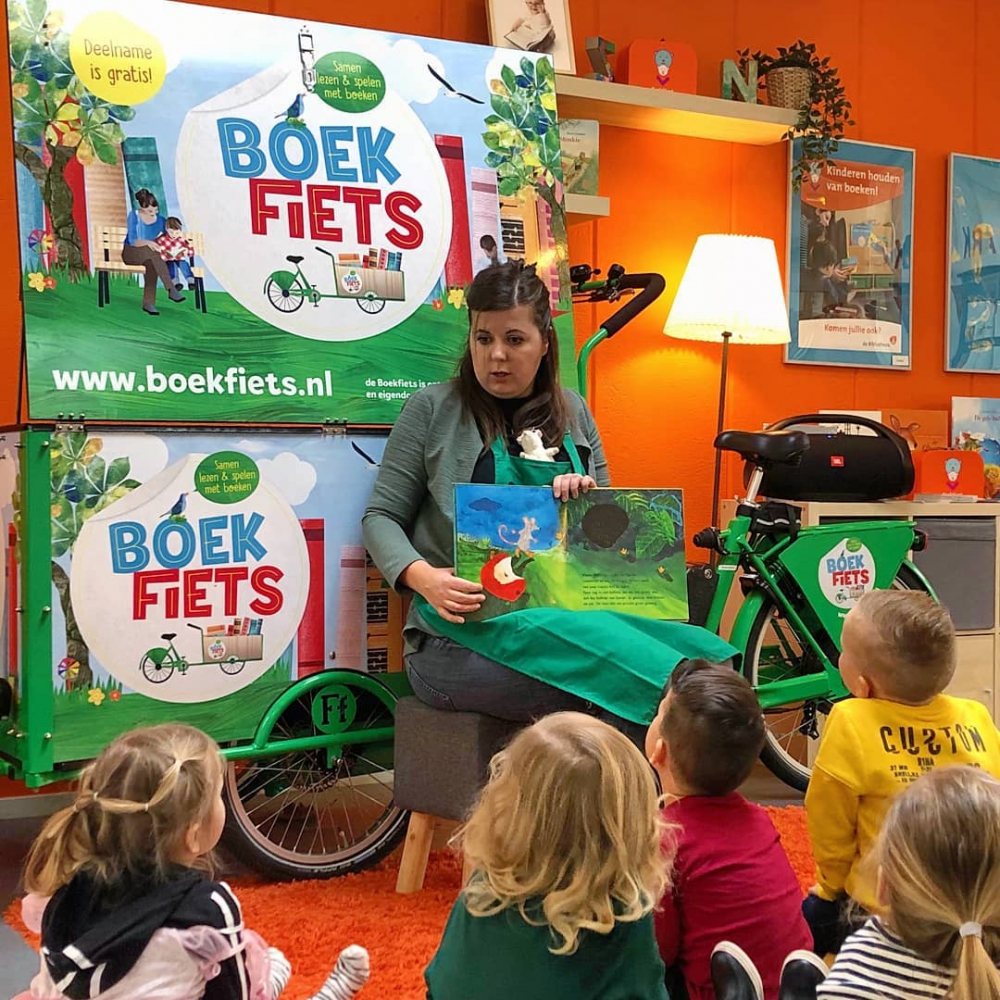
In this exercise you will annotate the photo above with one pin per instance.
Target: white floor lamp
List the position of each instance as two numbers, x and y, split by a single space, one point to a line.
731 291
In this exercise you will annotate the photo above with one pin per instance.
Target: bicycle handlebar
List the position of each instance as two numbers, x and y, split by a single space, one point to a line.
652 286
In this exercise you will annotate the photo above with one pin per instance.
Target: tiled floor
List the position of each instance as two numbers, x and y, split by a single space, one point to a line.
18 963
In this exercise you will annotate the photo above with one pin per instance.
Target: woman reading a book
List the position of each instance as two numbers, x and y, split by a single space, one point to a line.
145 225
530 662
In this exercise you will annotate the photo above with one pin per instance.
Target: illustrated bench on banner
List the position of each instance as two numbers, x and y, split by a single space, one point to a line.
107 258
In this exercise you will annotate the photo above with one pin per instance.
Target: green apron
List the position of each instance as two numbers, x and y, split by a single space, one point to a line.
617 661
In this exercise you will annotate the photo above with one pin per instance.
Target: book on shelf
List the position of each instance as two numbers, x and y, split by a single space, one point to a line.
580 141
975 426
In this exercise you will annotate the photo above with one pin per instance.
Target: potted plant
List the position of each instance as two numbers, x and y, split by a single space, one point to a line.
797 78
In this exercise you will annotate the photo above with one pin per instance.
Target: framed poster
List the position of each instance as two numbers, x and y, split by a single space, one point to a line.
534 26
850 259
276 229
972 343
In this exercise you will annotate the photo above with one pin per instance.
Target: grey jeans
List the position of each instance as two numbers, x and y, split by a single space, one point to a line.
450 677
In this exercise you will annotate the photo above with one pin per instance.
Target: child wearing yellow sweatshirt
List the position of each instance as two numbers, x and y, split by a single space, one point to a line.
898 655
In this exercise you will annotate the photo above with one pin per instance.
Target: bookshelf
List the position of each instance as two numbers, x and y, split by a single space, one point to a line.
667 112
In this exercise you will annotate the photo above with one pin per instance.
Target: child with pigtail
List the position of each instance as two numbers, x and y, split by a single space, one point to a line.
937 934
120 889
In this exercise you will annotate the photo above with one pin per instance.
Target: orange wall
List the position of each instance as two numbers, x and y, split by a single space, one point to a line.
923 80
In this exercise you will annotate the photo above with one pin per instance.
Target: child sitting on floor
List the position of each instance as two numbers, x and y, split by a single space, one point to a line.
938 933
118 892
565 849
898 655
732 880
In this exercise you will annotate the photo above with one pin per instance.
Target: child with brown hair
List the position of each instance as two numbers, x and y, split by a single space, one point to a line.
565 848
897 656
732 880
118 887
938 930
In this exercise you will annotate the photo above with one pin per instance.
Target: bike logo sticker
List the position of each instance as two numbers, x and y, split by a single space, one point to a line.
193 585
334 708
351 282
847 573
332 220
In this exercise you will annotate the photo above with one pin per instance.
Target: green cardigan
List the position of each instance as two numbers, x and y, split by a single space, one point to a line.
503 957
433 446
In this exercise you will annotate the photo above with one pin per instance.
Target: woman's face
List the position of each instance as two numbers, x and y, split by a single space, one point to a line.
149 214
507 349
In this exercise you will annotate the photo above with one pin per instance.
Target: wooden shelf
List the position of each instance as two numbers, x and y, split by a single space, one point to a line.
586 208
676 114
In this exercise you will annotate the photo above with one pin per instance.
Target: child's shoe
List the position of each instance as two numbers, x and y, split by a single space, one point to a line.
190 286
179 285
348 976
734 975
800 975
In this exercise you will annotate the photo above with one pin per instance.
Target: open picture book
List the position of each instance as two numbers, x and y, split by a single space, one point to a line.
609 549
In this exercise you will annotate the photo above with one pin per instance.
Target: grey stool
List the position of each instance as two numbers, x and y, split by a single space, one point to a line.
441 764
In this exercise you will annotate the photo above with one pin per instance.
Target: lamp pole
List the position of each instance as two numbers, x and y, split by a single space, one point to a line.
726 336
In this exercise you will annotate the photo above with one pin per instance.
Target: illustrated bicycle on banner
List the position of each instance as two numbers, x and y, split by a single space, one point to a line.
370 286
230 653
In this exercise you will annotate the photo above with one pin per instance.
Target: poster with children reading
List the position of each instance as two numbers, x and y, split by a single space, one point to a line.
850 250
248 218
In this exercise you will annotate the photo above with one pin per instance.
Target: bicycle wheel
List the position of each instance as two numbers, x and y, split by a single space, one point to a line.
232 666
370 303
283 296
776 652
156 667
316 813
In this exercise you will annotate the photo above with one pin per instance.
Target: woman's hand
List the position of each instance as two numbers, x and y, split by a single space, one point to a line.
449 595
571 484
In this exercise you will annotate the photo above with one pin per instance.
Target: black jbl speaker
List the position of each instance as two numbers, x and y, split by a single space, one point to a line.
838 467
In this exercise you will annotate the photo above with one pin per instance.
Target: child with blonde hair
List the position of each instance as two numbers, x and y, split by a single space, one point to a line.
897 657
119 892
937 934
565 848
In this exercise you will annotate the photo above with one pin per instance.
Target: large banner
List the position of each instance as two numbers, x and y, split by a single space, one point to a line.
850 250
235 217
194 576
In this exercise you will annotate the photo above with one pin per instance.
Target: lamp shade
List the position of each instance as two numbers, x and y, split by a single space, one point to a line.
731 283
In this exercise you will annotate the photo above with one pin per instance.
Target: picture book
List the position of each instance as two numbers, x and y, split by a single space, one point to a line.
609 550
923 430
580 141
975 426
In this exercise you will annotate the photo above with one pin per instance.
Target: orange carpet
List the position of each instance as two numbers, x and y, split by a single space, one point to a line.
311 921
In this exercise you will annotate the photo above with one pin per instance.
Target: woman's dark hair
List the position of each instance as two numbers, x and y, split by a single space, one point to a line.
145 198
497 289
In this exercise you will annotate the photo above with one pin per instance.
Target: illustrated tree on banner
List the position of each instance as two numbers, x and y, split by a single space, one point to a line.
523 141
83 483
56 120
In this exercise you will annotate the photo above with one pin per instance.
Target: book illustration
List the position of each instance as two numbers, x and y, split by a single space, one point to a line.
609 549
975 426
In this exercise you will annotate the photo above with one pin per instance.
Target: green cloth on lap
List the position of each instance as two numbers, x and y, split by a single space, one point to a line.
619 662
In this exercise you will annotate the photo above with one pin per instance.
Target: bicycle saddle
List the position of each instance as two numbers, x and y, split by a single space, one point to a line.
295 260
168 636
762 447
